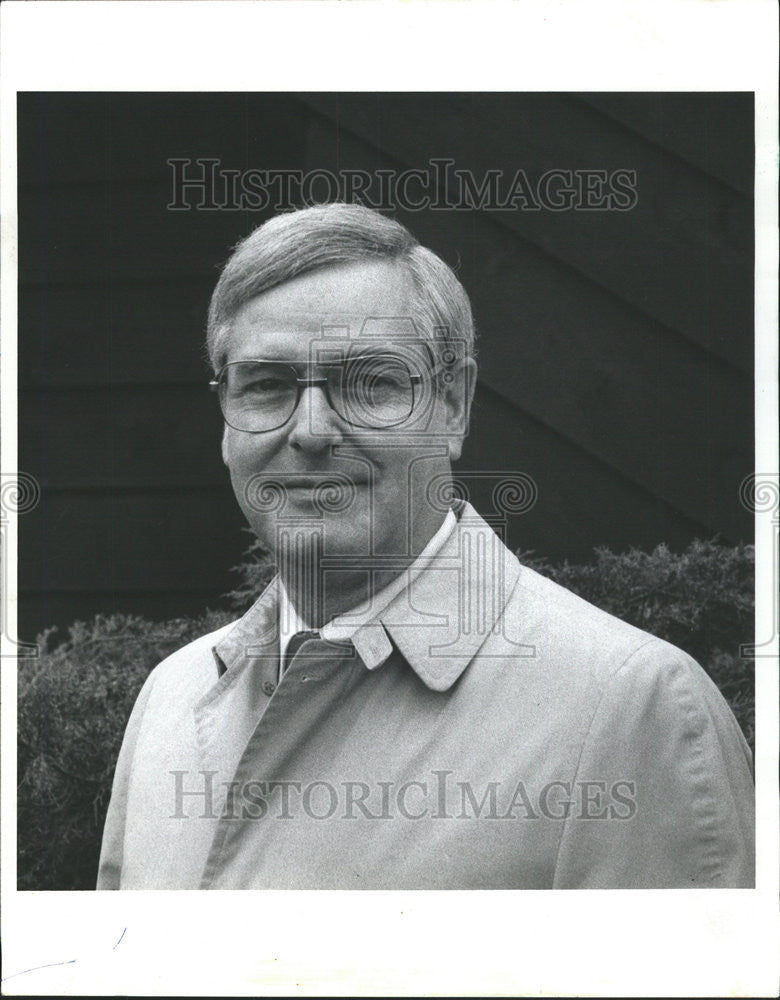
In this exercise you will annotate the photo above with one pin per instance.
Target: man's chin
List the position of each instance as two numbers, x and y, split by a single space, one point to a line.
331 535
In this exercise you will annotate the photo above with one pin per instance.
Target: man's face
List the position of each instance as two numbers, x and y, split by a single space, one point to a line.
365 308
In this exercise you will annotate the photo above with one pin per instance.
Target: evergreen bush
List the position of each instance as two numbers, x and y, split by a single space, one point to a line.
74 701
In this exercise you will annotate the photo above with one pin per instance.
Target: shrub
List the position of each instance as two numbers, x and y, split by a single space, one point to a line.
74 702
75 698
255 572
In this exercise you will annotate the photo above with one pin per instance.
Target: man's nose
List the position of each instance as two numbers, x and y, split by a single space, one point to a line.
315 424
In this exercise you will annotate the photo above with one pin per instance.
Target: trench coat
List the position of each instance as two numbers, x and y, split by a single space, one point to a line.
488 730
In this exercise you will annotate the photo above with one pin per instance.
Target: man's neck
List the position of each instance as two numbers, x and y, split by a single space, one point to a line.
321 594
344 592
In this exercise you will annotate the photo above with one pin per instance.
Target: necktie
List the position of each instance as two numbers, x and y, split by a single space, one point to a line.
295 644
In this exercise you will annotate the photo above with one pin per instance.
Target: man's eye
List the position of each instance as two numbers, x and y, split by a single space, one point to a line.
371 381
377 372
387 381
266 386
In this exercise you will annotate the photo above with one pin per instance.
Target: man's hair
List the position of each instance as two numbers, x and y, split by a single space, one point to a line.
299 242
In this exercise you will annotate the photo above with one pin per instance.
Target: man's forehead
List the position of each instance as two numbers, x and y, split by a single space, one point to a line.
332 325
356 288
371 302
285 341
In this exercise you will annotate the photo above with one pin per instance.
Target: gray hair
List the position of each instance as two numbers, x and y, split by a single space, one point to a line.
298 242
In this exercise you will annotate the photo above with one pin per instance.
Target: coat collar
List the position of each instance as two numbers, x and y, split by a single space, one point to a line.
255 635
438 623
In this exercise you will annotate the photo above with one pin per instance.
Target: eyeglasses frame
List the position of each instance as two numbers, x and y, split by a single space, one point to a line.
305 383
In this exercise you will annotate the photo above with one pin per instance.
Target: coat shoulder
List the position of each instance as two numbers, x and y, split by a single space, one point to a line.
192 665
568 629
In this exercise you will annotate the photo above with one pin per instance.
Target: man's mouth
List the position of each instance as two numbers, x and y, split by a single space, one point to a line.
329 492
320 482
333 494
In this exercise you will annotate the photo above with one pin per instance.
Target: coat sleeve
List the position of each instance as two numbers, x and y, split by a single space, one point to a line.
663 795
110 867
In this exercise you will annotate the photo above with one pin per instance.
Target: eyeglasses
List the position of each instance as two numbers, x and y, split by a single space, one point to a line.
371 391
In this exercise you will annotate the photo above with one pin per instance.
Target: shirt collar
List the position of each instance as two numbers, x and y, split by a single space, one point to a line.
290 621
438 619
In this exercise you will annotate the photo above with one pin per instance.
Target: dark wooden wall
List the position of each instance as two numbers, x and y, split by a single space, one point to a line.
616 350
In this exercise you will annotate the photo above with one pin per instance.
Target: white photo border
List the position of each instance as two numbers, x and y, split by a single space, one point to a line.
629 943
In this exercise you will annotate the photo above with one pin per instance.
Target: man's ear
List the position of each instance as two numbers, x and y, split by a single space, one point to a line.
458 395
225 445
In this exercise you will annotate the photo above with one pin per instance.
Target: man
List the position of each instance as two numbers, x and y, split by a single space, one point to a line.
405 706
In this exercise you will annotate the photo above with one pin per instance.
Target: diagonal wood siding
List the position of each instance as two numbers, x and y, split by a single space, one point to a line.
616 348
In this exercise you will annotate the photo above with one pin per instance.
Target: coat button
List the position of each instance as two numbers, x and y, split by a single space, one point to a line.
269 687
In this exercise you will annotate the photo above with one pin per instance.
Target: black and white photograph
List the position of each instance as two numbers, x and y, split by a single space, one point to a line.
387 503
